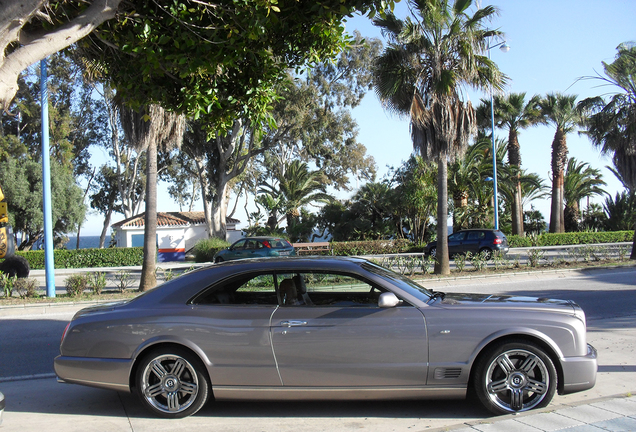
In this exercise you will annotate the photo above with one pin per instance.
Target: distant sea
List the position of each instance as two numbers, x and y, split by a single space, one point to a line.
86 242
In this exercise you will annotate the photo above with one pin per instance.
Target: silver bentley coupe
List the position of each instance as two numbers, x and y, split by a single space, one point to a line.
325 328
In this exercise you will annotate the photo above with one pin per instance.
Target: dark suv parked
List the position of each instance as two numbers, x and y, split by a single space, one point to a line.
473 241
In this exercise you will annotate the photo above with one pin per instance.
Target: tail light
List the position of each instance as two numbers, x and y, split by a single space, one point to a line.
65 330
498 241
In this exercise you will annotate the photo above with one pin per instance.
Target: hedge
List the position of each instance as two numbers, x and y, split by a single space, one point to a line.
573 238
87 258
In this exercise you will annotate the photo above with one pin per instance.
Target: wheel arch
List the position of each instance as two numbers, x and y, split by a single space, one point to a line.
548 346
166 344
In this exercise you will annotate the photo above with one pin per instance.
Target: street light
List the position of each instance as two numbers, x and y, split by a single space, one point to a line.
504 47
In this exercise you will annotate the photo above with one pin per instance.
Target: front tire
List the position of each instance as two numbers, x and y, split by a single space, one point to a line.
172 383
433 252
515 377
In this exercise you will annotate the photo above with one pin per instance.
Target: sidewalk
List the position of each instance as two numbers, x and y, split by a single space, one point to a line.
608 414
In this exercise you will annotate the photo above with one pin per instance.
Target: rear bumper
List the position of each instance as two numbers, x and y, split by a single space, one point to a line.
104 373
579 373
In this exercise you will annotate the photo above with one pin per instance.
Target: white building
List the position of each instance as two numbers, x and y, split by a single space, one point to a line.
177 233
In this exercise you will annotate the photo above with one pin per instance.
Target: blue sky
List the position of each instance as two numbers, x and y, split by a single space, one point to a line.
553 43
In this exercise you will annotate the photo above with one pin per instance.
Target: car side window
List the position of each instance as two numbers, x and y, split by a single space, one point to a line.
476 235
326 289
255 290
239 244
457 236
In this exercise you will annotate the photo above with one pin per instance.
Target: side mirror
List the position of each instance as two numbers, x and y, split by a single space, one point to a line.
388 300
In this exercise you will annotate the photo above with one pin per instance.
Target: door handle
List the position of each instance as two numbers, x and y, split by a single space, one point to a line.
293 323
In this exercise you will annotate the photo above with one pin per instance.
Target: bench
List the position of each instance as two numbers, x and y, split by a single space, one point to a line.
309 248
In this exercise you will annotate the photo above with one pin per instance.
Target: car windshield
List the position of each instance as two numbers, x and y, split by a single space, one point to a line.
400 281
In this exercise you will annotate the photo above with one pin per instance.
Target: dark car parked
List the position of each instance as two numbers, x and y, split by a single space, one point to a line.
488 241
256 247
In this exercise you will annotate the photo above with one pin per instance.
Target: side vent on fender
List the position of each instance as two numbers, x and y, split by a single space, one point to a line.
442 373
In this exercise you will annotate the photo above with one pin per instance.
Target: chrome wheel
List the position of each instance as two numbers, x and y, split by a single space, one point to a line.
170 384
516 377
433 252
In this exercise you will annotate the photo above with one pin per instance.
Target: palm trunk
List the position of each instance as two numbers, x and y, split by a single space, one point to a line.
514 159
517 212
559 161
148 278
633 255
442 264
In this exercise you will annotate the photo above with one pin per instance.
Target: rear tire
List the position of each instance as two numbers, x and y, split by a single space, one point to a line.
515 376
15 266
433 252
487 253
172 383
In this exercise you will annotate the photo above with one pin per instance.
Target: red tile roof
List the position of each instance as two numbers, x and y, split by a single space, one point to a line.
169 219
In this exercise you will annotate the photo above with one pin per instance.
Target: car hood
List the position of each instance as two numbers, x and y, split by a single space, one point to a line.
506 301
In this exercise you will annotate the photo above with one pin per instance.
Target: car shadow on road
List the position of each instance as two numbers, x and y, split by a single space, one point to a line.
46 396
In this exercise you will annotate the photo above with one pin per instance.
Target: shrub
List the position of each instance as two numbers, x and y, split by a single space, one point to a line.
76 284
87 258
562 239
460 260
8 283
97 282
370 247
26 287
205 249
123 280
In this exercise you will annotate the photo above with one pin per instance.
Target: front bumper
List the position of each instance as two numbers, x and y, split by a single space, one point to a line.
112 374
579 373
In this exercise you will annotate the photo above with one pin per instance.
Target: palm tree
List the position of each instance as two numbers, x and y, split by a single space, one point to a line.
297 187
561 111
513 113
612 124
422 73
150 128
581 181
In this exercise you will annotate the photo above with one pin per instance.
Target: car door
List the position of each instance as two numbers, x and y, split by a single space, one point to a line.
333 334
233 329
456 243
473 240
237 250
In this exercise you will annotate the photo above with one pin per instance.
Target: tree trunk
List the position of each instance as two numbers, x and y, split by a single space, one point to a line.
559 161
517 211
148 278
442 264
514 159
102 236
219 210
633 254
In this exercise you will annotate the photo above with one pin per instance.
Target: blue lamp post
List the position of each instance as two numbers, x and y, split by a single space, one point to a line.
504 48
